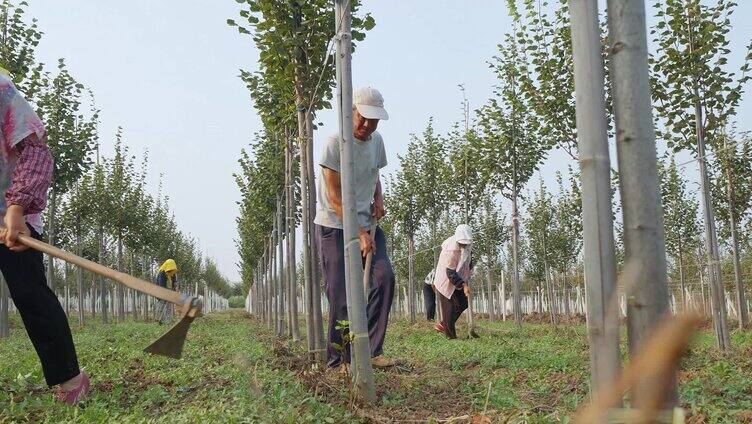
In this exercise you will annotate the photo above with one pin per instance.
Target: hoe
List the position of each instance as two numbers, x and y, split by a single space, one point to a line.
171 343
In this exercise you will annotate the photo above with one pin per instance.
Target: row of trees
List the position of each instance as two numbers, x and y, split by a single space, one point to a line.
294 79
492 154
99 207
531 114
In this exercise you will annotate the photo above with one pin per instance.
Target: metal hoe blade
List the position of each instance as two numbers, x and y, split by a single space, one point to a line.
171 343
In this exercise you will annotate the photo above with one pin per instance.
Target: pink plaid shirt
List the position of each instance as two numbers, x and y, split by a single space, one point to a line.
25 162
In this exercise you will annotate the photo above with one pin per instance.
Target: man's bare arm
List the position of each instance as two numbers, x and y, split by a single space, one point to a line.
334 191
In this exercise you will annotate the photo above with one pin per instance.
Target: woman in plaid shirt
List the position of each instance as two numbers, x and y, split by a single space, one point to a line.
25 174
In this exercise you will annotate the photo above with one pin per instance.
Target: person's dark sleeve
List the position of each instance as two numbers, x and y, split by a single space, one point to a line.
455 278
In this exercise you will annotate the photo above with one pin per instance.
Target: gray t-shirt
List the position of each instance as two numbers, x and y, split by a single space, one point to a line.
369 156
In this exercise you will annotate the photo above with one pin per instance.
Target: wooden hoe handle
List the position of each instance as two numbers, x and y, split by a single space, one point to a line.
122 278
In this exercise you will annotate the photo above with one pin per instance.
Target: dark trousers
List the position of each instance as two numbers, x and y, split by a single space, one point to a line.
451 310
332 251
429 300
41 313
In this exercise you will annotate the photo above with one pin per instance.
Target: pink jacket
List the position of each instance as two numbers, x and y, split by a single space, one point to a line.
450 258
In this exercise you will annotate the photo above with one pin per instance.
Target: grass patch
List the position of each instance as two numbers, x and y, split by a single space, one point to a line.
234 370
224 376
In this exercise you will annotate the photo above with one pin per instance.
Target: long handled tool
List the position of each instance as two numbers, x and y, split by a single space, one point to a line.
171 343
471 318
369 260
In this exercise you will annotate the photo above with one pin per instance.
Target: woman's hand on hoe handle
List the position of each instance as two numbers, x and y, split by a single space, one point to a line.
15 224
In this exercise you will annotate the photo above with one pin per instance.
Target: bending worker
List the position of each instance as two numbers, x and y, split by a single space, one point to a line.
26 168
452 278
168 279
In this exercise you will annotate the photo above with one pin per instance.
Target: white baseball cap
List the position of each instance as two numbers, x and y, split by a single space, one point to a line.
370 103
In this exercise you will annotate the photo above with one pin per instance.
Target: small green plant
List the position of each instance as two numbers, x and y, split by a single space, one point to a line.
343 326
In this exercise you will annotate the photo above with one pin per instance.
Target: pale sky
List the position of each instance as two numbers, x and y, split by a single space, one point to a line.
167 71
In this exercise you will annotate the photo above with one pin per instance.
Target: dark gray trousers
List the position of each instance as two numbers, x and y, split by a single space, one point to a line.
429 299
332 251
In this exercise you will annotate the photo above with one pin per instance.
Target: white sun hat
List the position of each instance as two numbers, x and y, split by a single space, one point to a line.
370 103
463 234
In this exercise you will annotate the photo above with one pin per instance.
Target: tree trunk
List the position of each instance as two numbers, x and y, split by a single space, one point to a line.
306 226
119 287
314 257
491 305
549 284
102 282
741 298
595 175
363 379
411 277
280 272
682 285
51 237
292 294
516 298
67 290
644 234
567 296
270 284
718 302
80 277
552 311
503 296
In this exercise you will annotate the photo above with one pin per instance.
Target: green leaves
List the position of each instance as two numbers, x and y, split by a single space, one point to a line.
690 68
295 72
18 42
71 133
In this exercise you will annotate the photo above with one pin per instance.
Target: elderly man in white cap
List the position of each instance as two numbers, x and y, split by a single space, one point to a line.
369 157
452 277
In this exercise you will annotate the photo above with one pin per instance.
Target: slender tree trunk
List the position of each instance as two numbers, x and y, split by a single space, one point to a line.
363 380
718 302
314 257
51 236
644 235
119 287
741 298
567 296
67 290
489 284
134 299
80 277
411 277
292 285
280 271
102 282
147 277
269 284
595 174
306 225
551 299
503 296
549 284
682 285
517 305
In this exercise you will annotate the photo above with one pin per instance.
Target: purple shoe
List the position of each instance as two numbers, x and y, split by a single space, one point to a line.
72 397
